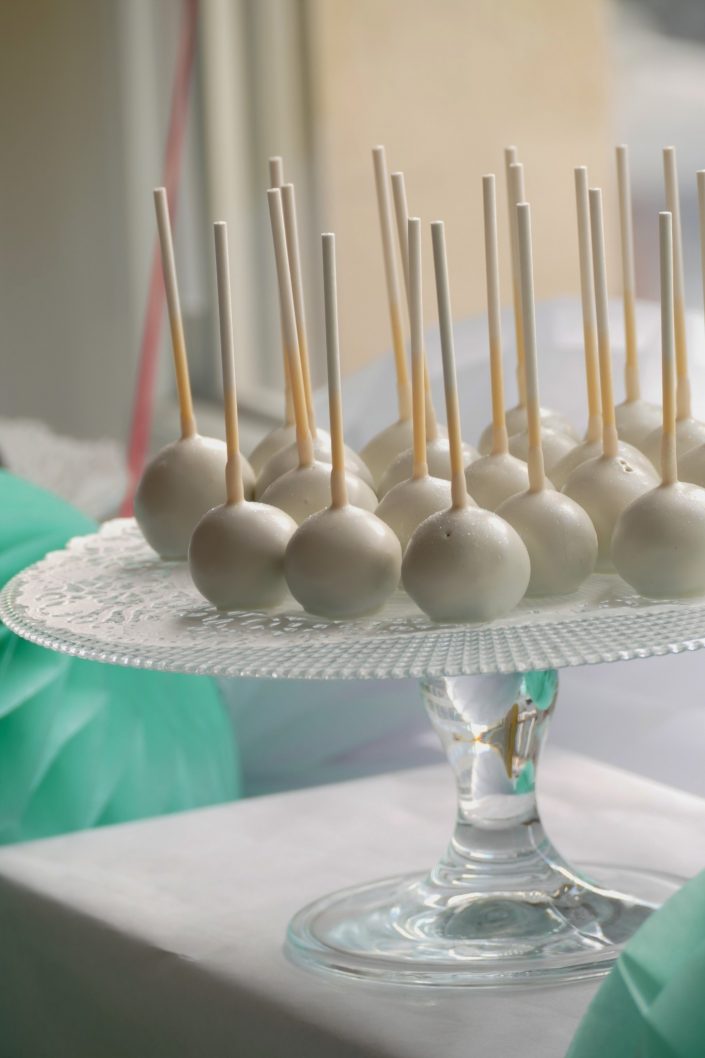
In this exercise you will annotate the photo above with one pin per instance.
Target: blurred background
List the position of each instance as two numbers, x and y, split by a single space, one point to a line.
85 89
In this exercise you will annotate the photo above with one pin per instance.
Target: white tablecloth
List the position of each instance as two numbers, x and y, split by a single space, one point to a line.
163 939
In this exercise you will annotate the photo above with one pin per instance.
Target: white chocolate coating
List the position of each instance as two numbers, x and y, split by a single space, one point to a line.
236 555
591 450
689 434
604 487
183 481
555 446
279 438
342 562
493 479
691 466
305 490
559 536
659 542
385 446
437 459
288 459
410 502
517 422
636 419
465 564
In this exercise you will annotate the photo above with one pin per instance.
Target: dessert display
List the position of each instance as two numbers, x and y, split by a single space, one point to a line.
606 485
385 446
494 477
659 540
185 478
689 431
236 554
516 417
305 487
410 502
463 563
635 417
591 447
342 561
558 534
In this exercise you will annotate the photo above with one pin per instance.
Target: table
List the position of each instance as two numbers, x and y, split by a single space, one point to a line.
164 938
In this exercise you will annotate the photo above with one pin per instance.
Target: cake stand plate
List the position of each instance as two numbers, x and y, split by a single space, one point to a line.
501 906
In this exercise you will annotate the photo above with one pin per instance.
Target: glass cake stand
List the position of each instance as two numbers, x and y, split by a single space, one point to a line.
502 905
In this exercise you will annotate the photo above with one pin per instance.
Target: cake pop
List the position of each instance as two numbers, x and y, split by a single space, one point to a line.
516 417
689 431
659 540
185 478
390 442
305 488
463 563
236 555
493 478
287 458
284 435
413 500
342 561
635 417
606 485
437 447
591 447
691 466
557 533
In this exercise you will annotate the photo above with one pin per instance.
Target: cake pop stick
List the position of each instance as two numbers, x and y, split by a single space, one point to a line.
670 175
343 561
462 563
658 541
635 418
236 555
294 256
605 485
493 478
396 438
516 419
185 479
558 534
409 502
176 325
305 488
276 171
592 445
276 179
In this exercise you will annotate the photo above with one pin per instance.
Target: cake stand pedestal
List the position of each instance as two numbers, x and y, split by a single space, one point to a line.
501 906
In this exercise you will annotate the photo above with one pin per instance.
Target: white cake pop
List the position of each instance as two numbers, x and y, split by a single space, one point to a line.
236 555
606 485
557 533
288 458
437 459
689 431
411 501
635 417
305 488
342 561
495 477
385 446
185 478
659 541
516 418
591 447
463 563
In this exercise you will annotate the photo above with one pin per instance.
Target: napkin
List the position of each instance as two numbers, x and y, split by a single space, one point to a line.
84 744
652 1005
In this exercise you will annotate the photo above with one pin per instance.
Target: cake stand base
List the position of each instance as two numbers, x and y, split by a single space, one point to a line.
501 906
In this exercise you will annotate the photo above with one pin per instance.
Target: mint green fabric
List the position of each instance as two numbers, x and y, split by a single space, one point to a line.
84 744
651 1005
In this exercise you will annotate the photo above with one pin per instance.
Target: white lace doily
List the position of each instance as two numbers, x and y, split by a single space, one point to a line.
108 597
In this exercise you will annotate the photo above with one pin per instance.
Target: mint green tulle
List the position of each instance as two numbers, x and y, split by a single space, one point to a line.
84 744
